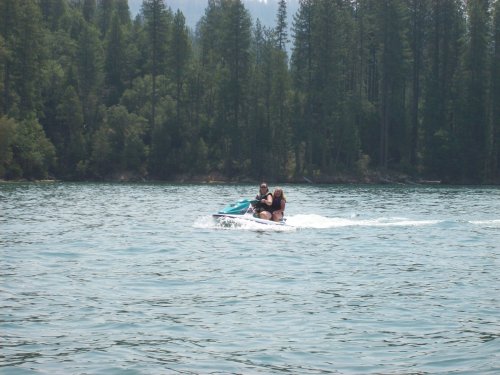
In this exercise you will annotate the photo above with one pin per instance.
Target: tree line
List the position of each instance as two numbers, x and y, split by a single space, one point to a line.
87 92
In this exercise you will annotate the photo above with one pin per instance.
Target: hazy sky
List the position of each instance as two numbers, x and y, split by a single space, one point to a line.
135 5
193 10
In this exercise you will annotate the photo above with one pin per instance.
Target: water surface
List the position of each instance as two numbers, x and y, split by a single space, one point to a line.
138 279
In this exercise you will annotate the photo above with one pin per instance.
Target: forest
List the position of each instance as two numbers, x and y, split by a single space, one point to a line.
88 92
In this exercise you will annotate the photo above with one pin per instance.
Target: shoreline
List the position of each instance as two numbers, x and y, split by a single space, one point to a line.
255 182
369 177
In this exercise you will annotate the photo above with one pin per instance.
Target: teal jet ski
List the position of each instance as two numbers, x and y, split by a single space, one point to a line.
243 210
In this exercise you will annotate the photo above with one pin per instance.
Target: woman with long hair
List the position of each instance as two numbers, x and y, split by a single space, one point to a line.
279 203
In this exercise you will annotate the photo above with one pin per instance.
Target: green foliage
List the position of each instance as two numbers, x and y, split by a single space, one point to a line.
22 57
442 85
25 151
473 133
71 142
118 145
494 165
85 92
281 33
116 61
53 12
225 54
8 129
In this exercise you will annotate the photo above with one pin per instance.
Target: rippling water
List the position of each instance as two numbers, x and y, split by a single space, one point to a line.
138 279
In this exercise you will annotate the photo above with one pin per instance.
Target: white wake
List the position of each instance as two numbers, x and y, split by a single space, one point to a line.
312 221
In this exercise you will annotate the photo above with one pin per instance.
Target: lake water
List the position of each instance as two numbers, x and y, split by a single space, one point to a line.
138 279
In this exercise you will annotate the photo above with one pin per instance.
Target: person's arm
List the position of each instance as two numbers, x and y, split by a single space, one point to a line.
268 200
283 204
281 209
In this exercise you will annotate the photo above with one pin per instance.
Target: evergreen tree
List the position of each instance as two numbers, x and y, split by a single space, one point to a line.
390 33
280 116
208 39
281 26
419 13
443 55
225 54
365 99
180 50
280 92
259 96
71 143
474 129
53 12
23 41
346 144
157 21
123 11
302 71
495 97
179 128
104 15
120 143
53 91
116 63
9 12
8 129
235 48
89 8
326 82
25 152
323 71
90 72
412 85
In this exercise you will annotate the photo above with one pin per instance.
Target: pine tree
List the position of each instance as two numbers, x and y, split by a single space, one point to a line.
89 63
116 63
157 26
24 56
323 71
9 13
180 50
443 53
225 57
281 26
280 129
8 128
412 85
89 8
235 47
33 154
71 143
419 13
302 70
259 94
177 70
104 15
474 130
495 98
390 33
53 12
123 11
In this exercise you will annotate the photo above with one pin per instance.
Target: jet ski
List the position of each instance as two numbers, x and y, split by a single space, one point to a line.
243 210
